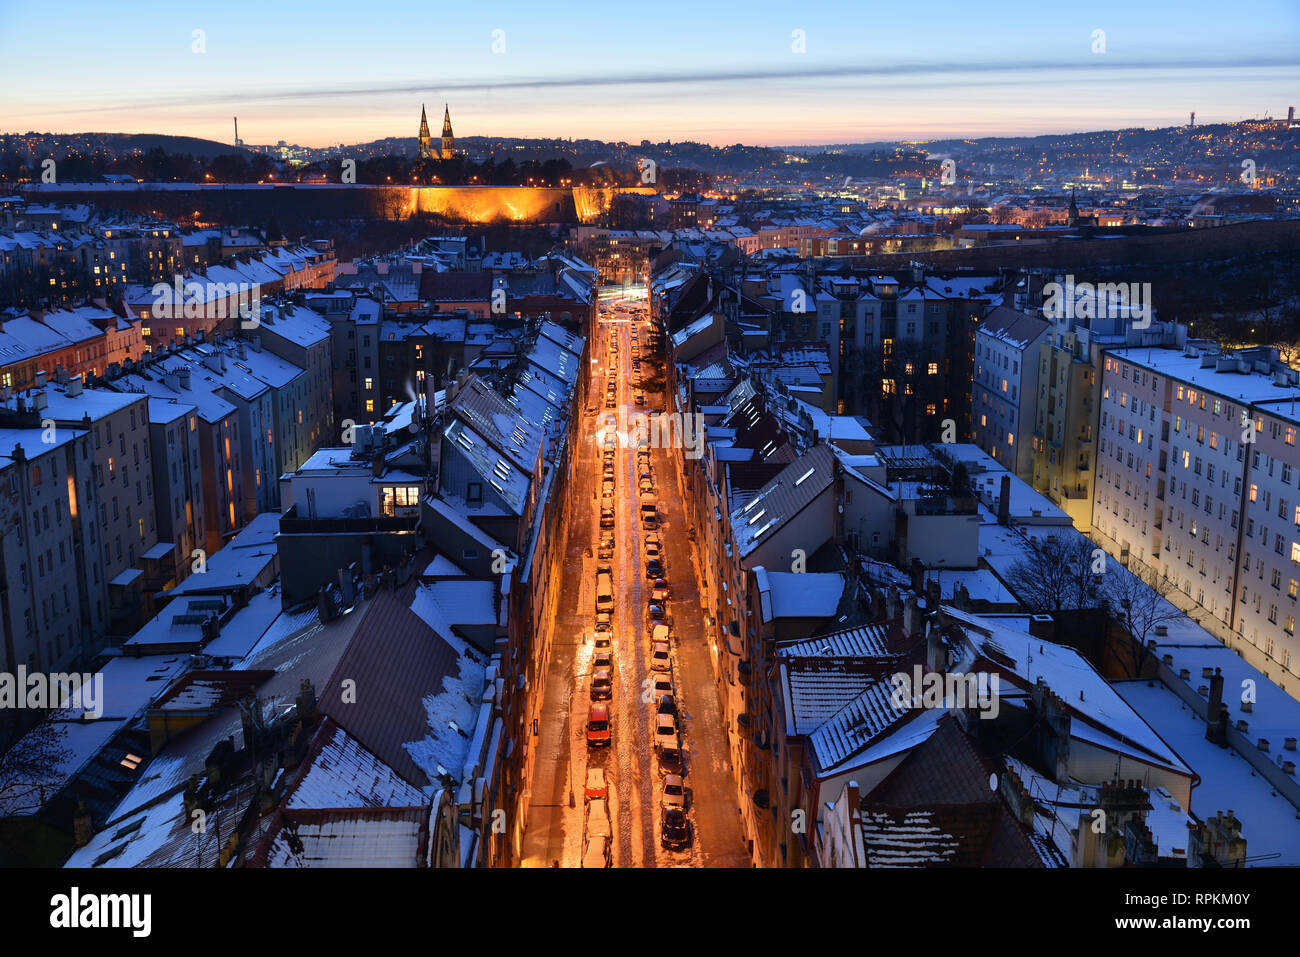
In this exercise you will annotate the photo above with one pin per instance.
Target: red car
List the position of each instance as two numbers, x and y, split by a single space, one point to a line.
598 734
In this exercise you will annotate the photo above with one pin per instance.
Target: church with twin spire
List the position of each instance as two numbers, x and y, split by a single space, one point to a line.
447 149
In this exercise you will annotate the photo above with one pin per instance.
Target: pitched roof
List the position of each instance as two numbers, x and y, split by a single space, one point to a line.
781 499
409 683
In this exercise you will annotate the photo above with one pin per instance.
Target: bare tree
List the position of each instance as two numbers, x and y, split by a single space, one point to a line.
1138 601
1058 577
26 768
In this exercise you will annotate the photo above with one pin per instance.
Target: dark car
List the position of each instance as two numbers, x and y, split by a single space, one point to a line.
675 831
654 568
602 687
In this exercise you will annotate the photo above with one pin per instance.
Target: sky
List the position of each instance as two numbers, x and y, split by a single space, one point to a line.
757 72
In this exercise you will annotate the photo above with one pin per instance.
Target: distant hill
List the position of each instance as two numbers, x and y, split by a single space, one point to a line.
126 142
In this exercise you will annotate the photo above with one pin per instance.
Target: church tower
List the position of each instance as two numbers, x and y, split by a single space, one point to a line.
448 141
425 151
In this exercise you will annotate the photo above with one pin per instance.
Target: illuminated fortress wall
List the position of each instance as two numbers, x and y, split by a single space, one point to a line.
236 202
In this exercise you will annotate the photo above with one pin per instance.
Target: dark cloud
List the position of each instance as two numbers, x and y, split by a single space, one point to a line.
917 74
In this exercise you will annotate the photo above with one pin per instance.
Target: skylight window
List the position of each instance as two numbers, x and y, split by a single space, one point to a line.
805 475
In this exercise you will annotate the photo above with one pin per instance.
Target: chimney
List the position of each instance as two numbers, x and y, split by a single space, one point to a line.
190 797
893 605
918 576
911 617
936 652
1004 501
246 722
184 376
40 379
306 702
82 828
377 465
932 594
75 385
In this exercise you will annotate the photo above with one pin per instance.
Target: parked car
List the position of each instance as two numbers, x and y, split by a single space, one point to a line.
606 548
596 786
674 791
651 538
665 730
660 591
598 731
674 830
640 399
598 852
657 612
654 568
606 518
603 661
646 487
663 684
659 633
602 686
652 551
670 759
659 657
667 705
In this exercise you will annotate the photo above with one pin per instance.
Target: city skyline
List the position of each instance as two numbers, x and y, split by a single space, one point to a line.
577 76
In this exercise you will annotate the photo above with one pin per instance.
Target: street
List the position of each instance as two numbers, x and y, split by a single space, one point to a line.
556 822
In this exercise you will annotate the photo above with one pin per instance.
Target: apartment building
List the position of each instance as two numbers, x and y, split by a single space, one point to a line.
119 426
302 337
50 615
177 481
1198 477
1065 432
1005 389
903 347
214 368
217 423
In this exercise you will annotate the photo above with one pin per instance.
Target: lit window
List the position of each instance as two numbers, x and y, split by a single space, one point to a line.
370 405
1254 489
932 368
